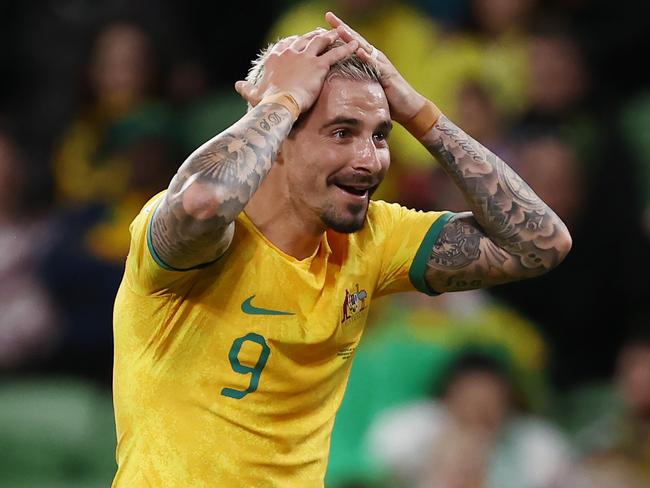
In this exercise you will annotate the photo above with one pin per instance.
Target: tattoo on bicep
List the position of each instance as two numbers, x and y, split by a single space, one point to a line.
180 247
463 258
456 247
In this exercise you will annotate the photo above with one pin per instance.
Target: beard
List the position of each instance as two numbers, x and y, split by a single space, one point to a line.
352 220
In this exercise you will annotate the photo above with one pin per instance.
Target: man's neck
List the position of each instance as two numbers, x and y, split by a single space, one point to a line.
284 226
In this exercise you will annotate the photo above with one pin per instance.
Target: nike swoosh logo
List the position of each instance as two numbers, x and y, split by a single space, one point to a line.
250 309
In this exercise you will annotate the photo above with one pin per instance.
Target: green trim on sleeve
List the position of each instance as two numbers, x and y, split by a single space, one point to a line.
158 259
419 265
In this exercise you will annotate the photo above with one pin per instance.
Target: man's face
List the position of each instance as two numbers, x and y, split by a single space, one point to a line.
338 155
479 400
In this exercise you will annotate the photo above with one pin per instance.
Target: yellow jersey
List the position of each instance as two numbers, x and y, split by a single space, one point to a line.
230 375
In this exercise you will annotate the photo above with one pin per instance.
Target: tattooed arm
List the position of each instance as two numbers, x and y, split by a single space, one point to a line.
194 224
512 234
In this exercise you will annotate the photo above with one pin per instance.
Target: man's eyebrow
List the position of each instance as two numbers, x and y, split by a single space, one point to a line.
342 120
386 125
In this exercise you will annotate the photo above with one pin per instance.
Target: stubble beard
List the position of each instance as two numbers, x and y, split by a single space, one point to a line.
346 224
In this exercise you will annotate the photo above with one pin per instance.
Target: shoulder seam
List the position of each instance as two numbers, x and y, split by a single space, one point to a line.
419 264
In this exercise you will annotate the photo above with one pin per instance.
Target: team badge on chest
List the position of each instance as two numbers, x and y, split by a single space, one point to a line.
353 303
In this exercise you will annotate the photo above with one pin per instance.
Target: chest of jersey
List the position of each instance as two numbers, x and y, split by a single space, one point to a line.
264 324
231 375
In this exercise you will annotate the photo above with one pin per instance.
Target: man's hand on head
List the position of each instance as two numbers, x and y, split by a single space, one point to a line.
298 66
403 100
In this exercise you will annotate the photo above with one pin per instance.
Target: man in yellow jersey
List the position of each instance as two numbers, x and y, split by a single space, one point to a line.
249 279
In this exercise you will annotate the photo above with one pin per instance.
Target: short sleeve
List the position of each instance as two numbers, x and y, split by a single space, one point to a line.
145 272
407 239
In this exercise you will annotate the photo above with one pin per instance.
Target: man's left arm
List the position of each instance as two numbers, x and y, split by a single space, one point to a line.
512 233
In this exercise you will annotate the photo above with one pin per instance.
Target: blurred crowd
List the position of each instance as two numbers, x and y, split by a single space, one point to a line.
539 384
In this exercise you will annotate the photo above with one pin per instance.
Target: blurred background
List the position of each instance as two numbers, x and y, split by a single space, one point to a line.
544 383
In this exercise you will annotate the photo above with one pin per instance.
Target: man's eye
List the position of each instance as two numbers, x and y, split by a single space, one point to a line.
340 133
380 136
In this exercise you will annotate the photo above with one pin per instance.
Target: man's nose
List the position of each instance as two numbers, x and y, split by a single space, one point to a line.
367 157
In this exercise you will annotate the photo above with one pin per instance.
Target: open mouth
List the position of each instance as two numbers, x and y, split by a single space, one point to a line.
359 192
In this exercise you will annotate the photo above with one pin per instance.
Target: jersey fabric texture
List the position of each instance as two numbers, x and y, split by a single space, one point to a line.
231 374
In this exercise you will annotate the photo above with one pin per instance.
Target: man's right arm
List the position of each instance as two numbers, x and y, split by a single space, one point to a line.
194 223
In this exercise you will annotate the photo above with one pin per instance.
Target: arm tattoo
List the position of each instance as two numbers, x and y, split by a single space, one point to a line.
193 224
457 246
515 235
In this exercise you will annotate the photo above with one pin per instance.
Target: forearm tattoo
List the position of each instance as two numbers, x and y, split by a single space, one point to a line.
225 172
514 235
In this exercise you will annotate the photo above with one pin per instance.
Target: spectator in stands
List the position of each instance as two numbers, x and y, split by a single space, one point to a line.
490 48
119 79
617 445
475 434
28 322
117 135
635 125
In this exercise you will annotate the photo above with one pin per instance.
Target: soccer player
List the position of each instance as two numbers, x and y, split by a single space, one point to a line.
249 279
